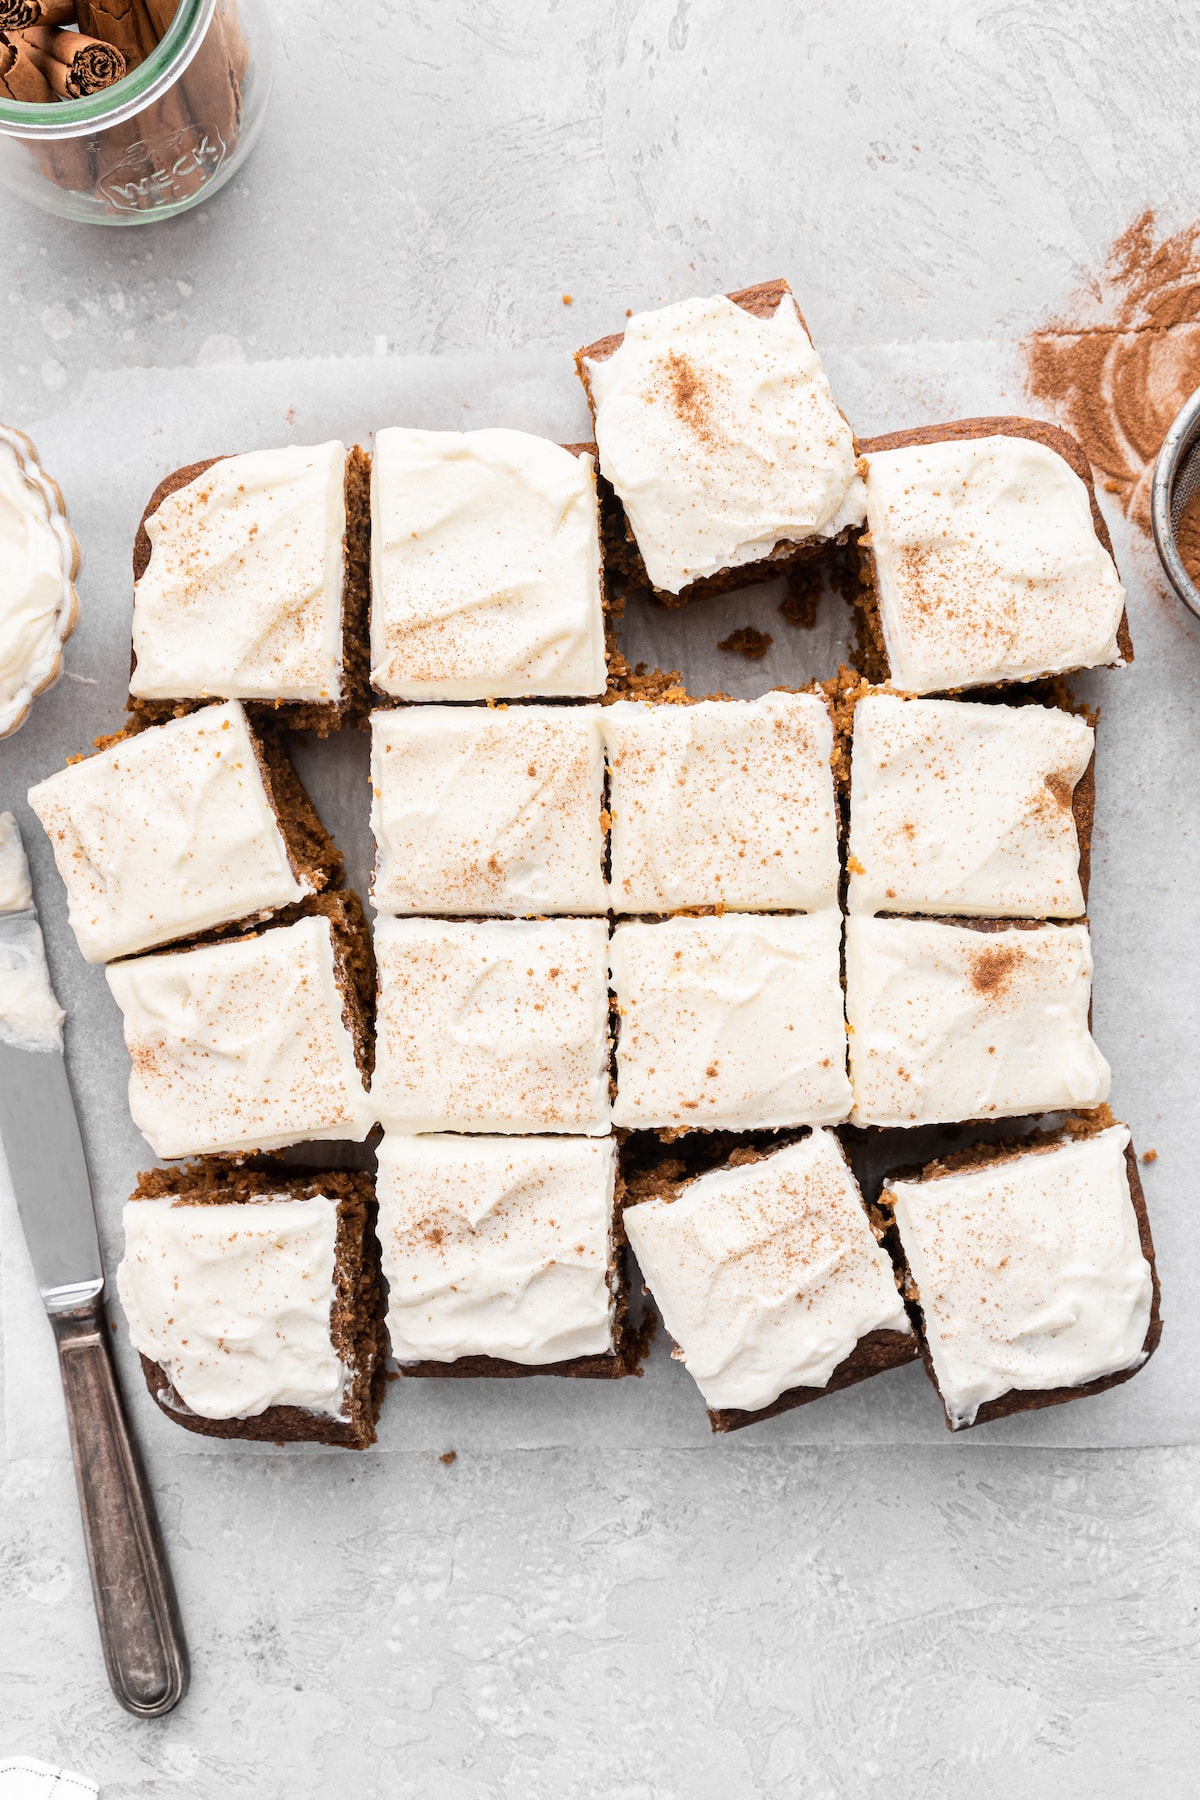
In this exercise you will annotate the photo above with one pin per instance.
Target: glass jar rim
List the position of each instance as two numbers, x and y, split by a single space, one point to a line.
161 69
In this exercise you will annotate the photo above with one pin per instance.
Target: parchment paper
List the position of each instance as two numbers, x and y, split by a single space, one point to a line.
110 445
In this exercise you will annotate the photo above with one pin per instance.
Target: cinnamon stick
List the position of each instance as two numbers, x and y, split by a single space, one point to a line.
128 155
15 15
73 64
125 24
66 162
212 80
20 77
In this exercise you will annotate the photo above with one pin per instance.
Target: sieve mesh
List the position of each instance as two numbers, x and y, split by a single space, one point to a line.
1186 478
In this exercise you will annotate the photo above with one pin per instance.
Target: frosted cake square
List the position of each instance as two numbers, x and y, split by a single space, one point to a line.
172 831
718 432
492 1025
731 1022
968 1021
252 1043
1032 1270
964 809
488 809
485 567
254 1299
986 558
722 803
251 584
504 1256
771 1280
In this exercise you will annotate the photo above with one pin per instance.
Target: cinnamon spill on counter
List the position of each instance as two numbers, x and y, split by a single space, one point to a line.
747 641
1122 357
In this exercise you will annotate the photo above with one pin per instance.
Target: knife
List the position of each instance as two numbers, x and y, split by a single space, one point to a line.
140 1631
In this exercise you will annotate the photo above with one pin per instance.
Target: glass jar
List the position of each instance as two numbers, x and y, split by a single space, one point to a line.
163 139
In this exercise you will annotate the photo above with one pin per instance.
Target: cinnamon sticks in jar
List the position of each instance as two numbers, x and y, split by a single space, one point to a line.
15 15
73 65
69 49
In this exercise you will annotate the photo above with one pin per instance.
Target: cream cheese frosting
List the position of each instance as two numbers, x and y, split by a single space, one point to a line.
729 802
767 1275
719 434
987 564
964 809
498 1025
732 1022
947 1022
242 596
485 567
38 559
234 1301
16 893
241 1045
166 834
1030 1271
488 810
497 1246
30 1016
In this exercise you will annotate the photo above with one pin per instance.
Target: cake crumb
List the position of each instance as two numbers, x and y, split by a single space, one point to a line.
802 599
747 641
1149 1156
448 1456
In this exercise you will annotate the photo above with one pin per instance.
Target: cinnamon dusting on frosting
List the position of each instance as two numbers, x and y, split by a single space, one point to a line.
993 969
691 395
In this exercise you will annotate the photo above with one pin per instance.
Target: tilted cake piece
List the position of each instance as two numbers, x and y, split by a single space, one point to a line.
255 1301
951 1022
30 1016
718 432
485 567
503 1256
988 558
251 584
498 1025
771 1281
731 1022
39 559
488 810
180 828
1033 1270
964 809
16 894
725 803
252 1043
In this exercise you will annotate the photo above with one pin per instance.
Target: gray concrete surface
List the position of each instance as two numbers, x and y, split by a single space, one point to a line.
668 1623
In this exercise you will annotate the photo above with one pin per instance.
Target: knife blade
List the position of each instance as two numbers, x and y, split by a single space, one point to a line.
144 1650
38 1126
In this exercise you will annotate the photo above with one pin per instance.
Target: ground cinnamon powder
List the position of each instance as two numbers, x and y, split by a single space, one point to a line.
1123 356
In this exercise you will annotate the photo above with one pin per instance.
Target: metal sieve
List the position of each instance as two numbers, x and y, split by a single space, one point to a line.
1176 479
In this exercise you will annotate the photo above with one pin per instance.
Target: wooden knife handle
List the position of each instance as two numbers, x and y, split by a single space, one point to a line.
136 1609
